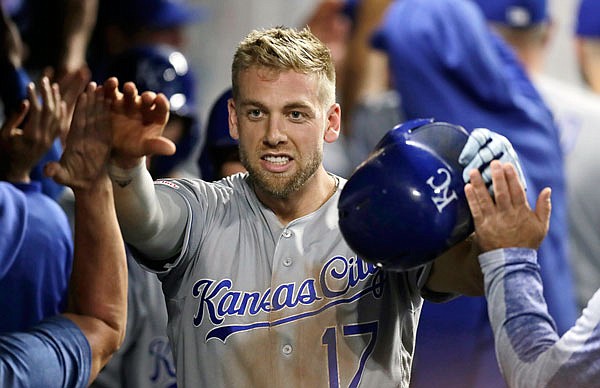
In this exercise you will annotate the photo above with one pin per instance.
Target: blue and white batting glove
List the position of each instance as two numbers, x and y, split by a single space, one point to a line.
481 148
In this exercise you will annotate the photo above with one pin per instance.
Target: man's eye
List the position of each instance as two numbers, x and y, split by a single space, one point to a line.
296 115
254 113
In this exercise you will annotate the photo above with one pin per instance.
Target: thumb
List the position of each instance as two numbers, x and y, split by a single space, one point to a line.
543 206
159 146
55 171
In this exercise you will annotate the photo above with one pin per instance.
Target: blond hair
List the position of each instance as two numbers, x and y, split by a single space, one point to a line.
281 49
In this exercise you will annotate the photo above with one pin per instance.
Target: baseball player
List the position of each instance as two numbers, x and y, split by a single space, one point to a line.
530 352
261 289
68 350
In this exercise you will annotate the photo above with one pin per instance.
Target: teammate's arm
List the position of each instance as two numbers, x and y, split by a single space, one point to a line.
98 284
457 271
529 350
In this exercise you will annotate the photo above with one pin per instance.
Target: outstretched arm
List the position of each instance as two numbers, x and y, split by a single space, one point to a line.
98 284
151 223
529 350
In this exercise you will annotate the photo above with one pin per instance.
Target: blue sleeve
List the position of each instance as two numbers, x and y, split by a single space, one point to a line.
13 212
55 353
529 350
49 186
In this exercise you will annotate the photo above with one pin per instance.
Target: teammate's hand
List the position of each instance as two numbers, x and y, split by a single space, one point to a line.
481 148
138 122
507 221
22 148
88 144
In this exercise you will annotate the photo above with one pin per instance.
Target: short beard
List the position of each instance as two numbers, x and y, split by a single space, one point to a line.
280 186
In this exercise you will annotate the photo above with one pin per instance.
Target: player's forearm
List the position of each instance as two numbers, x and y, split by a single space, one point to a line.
148 222
529 350
98 285
80 21
457 271
524 331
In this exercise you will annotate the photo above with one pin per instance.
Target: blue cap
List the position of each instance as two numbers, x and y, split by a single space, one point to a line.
155 13
588 20
514 13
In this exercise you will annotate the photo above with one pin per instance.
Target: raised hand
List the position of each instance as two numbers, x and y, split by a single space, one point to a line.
88 144
71 85
138 122
507 220
23 147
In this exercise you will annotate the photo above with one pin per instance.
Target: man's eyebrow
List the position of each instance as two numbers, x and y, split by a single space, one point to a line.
288 106
245 103
298 105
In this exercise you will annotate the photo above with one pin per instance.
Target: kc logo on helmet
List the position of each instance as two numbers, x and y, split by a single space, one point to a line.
445 195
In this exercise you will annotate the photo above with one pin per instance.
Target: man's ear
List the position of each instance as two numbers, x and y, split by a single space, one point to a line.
334 118
233 121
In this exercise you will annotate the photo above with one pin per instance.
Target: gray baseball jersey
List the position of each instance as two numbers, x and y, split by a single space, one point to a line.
252 302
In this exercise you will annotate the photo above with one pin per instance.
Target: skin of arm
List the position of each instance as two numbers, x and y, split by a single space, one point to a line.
366 69
80 20
457 270
98 284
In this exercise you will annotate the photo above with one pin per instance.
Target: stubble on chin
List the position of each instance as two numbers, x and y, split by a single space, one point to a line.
279 186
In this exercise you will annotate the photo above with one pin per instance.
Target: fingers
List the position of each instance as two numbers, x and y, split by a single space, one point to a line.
515 186
543 206
479 200
111 89
159 146
55 171
155 108
502 195
147 99
130 96
79 115
47 94
162 109
15 120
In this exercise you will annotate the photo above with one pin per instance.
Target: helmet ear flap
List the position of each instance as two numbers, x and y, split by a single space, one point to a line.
405 205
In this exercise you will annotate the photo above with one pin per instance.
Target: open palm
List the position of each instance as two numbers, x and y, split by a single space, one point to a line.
138 122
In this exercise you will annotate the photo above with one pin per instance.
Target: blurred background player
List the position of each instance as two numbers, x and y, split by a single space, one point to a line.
587 42
131 23
465 74
527 26
220 153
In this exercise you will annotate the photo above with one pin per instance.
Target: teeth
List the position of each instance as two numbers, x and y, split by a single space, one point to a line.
277 159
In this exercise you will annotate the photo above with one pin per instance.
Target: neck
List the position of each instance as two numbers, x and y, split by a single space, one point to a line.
313 194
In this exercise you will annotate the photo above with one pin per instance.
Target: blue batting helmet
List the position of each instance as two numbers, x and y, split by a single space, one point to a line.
405 204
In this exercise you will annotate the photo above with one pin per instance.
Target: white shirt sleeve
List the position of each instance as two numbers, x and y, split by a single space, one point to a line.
154 224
